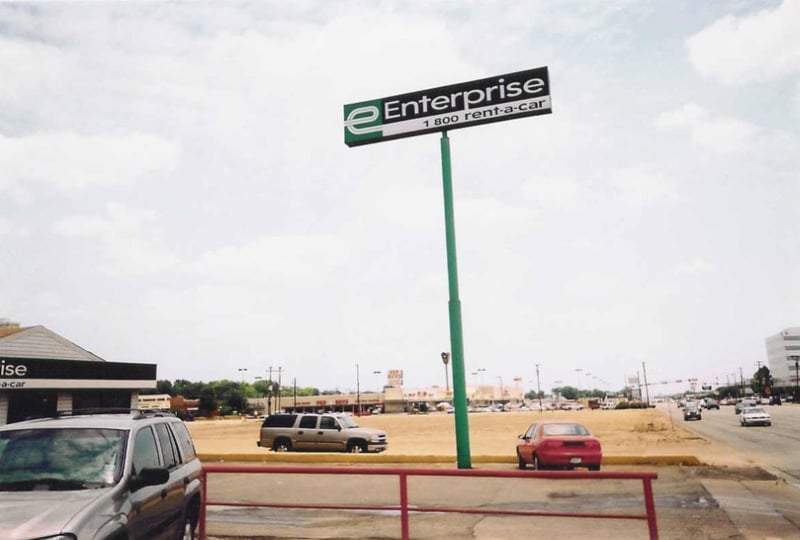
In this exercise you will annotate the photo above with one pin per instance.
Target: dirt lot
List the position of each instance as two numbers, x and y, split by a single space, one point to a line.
633 432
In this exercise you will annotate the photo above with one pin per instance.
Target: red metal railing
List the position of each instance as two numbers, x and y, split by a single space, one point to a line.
404 474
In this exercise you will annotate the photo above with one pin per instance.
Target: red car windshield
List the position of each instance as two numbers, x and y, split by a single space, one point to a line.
564 429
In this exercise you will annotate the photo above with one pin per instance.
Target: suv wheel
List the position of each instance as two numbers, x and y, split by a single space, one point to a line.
356 447
282 445
520 461
188 531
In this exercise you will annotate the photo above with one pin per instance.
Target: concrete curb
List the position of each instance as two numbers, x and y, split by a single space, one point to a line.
283 457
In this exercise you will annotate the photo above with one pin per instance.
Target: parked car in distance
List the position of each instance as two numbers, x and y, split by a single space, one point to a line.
743 403
558 443
692 411
133 475
709 403
334 432
571 406
755 416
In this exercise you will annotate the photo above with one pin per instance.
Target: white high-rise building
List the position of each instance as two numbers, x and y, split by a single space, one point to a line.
783 356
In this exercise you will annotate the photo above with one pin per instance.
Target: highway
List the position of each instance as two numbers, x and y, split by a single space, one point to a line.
771 447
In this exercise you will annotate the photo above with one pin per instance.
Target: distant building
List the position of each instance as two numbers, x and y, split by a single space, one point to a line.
158 402
42 373
783 352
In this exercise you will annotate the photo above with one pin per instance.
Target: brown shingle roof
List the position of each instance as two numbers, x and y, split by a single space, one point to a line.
8 330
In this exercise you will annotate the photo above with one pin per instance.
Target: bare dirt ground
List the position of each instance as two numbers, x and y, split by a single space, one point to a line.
631 432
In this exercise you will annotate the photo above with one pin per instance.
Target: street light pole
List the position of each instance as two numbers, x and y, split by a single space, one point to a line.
241 372
646 389
445 360
501 390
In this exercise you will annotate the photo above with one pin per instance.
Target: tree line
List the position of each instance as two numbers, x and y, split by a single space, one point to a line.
229 397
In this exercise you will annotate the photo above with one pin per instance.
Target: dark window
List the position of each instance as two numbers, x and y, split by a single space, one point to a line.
328 422
309 421
31 404
279 420
184 441
145 453
168 447
101 399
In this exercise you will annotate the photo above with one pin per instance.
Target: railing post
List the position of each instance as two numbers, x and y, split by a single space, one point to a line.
650 508
204 497
404 505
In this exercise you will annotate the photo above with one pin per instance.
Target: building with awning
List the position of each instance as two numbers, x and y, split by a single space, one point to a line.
42 373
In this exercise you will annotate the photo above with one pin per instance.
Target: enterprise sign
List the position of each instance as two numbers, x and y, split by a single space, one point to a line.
27 373
494 99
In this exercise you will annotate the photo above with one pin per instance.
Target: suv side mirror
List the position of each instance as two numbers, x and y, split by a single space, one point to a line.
149 476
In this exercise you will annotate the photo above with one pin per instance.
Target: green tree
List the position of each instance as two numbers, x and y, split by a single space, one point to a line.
164 387
208 401
567 392
188 389
236 401
761 383
533 394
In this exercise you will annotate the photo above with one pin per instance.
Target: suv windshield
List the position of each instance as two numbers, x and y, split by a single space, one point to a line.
347 421
60 459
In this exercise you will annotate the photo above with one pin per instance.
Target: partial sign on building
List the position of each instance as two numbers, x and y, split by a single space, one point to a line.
394 377
503 97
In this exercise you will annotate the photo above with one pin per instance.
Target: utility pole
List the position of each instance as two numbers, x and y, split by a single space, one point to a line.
538 389
646 389
741 378
278 402
269 393
358 392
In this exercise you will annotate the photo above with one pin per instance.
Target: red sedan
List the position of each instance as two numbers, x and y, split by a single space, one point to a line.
558 443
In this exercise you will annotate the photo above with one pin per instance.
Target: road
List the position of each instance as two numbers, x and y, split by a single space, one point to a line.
773 448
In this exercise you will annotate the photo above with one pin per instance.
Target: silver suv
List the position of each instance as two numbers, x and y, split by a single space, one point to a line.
101 476
319 432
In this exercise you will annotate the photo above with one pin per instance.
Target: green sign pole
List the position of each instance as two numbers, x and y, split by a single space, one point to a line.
454 305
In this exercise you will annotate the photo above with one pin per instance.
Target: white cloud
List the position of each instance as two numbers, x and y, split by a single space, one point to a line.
266 260
688 115
727 135
69 161
738 50
639 187
131 238
694 267
28 67
552 192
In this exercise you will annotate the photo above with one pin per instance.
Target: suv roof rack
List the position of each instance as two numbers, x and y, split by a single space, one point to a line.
135 413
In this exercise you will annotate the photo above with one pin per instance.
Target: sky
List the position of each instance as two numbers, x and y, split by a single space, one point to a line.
175 189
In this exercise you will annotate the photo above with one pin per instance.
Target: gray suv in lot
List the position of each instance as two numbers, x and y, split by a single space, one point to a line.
319 432
120 476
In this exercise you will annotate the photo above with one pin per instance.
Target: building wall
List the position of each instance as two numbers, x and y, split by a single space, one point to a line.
781 350
3 409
